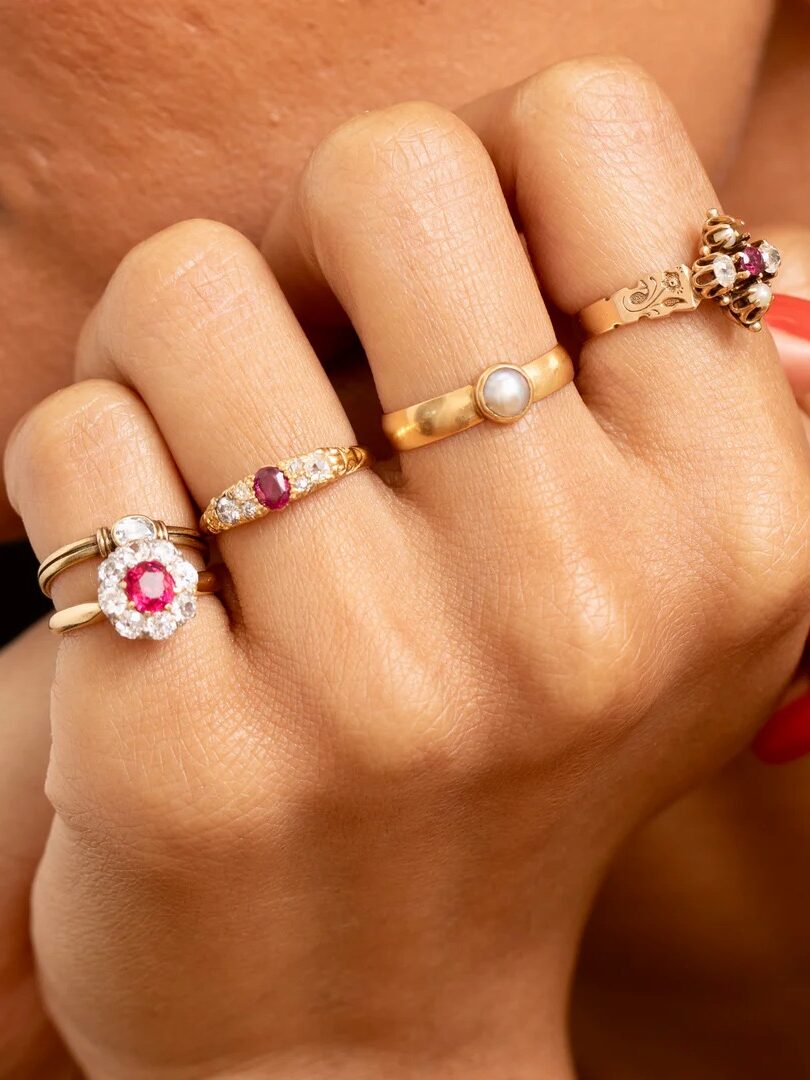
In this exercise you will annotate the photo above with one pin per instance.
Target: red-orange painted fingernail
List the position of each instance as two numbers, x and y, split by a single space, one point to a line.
786 736
788 319
791 315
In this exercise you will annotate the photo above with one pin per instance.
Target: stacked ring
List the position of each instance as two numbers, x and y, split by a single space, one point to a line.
146 588
273 487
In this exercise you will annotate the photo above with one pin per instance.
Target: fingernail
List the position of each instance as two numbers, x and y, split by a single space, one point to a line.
789 321
786 736
790 315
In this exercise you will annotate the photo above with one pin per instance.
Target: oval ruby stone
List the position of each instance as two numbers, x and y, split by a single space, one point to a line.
149 586
271 487
753 260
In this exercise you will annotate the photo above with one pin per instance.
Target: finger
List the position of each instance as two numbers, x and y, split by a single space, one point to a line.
608 188
26 671
399 216
195 322
82 459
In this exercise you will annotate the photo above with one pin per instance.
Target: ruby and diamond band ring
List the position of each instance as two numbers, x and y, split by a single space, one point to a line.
273 487
732 270
146 588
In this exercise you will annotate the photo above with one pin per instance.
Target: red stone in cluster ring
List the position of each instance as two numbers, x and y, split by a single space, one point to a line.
149 586
147 589
753 260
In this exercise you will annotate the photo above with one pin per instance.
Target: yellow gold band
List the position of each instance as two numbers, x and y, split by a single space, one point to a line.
503 394
273 487
102 544
78 615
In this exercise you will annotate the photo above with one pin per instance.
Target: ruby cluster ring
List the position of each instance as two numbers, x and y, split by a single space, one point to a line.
146 586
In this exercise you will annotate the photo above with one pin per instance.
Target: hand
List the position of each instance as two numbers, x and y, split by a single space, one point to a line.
348 822
713 891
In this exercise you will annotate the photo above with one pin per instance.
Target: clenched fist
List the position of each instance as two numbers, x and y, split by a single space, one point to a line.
348 821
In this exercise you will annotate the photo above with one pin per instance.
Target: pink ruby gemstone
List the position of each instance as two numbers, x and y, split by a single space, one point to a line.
149 586
271 487
753 260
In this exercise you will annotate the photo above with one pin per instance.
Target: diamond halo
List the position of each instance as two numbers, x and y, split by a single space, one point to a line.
147 589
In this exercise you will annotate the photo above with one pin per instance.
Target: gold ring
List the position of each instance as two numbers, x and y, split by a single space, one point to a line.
126 530
131 623
146 588
503 394
273 487
731 270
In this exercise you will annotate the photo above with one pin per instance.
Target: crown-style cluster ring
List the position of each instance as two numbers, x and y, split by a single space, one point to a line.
735 271
731 270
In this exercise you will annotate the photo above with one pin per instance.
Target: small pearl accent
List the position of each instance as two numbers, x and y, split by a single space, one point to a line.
506 393
760 295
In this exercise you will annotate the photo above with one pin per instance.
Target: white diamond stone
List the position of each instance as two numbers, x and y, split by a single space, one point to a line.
125 557
251 509
506 393
227 510
129 529
770 257
242 492
186 607
144 549
108 571
319 468
163 550
129 624
160 626
760 294
724 270
300 483
184 575
112 601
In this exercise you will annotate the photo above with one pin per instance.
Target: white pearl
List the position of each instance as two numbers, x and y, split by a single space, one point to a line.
760 294
506 393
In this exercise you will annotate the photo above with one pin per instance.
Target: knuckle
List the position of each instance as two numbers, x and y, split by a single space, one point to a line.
611 99
392 154
171 792
68 435
772 551
607 677
195 269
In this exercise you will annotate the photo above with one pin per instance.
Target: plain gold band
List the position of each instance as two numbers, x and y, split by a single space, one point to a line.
459 410
99 546
79 615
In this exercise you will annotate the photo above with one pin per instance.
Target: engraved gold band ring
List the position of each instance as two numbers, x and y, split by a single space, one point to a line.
146 588
503 394
731 270
273 487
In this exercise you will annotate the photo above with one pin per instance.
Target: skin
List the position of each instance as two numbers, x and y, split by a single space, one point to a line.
506 768
234 201
87 170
